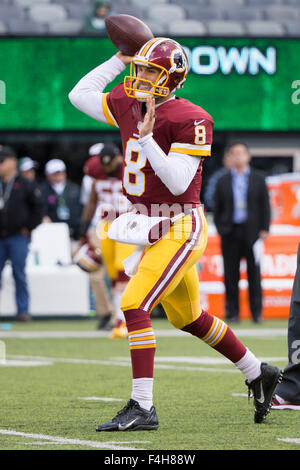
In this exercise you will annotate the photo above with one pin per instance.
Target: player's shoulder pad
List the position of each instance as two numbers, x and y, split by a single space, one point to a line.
93 168
117 94
118 102
183 111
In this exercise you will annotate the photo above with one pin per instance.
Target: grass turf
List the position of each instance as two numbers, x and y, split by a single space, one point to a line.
194 402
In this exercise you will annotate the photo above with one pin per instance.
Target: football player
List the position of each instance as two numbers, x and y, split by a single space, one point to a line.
165 142
105 203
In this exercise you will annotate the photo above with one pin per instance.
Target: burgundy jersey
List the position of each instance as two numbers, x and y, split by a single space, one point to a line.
108 189
93 167
180 127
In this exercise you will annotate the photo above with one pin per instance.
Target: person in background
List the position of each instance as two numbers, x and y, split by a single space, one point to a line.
241 216
107 202
95 22
61 197
99 281
20 213
87 180
27 168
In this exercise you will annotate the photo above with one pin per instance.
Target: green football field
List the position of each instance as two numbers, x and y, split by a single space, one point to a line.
61 378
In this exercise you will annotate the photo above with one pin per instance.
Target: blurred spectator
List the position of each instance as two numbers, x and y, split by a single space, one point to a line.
99 281
107 202
61 197
209 193
95 21
242 217
27 168
20 213
87 180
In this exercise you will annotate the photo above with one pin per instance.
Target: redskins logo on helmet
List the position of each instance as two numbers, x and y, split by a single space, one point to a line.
169 58
87 259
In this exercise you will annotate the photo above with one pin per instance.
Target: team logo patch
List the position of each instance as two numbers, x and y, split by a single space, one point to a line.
178 59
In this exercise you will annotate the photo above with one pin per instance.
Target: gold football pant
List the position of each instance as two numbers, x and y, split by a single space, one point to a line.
167 273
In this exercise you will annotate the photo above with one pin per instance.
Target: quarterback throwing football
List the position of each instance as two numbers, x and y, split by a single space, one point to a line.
165 142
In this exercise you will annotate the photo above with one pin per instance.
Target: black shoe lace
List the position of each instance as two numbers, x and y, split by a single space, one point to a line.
127 407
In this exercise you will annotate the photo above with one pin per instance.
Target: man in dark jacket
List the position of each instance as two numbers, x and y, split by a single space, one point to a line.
242 218
61 197
20 213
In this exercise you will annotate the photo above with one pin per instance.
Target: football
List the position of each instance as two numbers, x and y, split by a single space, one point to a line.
127 33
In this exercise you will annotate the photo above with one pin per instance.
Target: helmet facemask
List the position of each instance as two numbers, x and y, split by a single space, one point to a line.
132 82
166 56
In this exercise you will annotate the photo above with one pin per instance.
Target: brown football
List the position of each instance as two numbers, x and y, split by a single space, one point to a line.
127 33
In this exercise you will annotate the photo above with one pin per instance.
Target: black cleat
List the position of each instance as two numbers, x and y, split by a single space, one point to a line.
263 389
104 322
132 418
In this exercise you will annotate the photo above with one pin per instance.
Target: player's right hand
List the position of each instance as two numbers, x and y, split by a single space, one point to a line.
126 59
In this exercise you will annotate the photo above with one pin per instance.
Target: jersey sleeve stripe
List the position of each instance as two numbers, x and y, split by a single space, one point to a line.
190 146
189 151
109 117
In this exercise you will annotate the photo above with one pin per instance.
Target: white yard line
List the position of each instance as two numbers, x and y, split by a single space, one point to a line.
240 332
204 360
24 363
295 440
125 362
100 399
111 445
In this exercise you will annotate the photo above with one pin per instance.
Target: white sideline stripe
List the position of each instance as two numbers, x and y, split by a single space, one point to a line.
125 362
268 332
77 334
22 363
71 361
295 440
172 333
200 360
62 440
100 399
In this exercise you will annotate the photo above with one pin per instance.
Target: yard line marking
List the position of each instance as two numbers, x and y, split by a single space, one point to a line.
239 395
22 363
42 443
241 332
201 359
62 440
100 399
125 362
71 360
291 440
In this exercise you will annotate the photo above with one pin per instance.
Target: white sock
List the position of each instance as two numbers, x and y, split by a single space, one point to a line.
142 392
249 365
